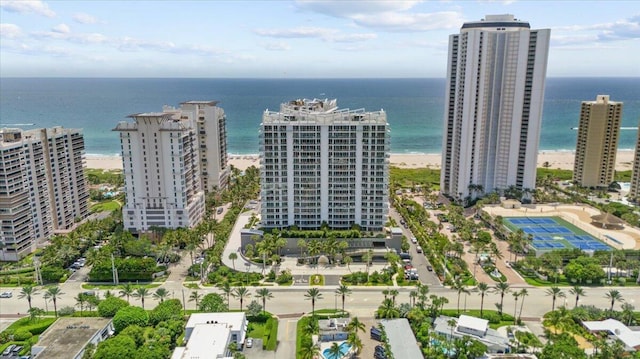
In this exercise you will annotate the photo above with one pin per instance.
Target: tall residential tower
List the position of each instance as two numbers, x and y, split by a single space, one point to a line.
597 144
634 191
493 106
171 159
43 188
321 164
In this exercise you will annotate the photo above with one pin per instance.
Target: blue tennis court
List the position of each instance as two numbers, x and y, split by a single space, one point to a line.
549 233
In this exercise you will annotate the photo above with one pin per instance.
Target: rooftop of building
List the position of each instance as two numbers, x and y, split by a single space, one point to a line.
10 136
233 319
208 103
474 323
67 336
401 339
630 338
321 111
490 337
493 22
207 341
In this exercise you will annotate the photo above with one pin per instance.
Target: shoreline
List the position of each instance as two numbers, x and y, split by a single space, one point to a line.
562 159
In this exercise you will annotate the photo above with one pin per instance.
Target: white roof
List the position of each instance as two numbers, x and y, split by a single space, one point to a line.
629 337
473 323
207 341
234 319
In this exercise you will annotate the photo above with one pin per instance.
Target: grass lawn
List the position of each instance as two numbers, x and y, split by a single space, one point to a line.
506 318
90 286
316 279
302 323
256 330
105 206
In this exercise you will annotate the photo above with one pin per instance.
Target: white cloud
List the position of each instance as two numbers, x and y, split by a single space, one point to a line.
347 9
300 32
10 31
276 46
61 29
613 31
83 18
353 37
27 7
411 22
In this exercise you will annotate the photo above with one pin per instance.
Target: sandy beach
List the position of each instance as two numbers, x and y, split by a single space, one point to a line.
556 159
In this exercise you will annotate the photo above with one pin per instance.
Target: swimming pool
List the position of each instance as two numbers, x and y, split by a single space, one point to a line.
344 349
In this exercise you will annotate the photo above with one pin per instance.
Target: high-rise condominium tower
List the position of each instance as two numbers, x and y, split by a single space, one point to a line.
171 159
634 191
597 144
43 188
321 165
493 106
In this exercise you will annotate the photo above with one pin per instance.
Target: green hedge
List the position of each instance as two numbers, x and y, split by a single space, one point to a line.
35 327
270 340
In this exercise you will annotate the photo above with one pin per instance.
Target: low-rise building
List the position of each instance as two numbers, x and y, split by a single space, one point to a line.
474 328
616 330
401 339
68 338
334 329
208 335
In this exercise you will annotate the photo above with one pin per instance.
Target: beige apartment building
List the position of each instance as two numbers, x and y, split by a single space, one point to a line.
43 187
597 143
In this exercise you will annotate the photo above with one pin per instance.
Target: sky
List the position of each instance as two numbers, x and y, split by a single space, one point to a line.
296 39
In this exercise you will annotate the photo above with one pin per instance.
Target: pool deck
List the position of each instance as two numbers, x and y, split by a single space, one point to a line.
579 216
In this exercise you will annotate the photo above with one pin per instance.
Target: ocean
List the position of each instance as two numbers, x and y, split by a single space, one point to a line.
414 106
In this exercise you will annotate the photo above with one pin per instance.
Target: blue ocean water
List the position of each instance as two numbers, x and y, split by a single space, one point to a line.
414 106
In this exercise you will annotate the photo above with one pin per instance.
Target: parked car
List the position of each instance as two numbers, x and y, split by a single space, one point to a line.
249 343
6 295
17 349
220 209
430 268
414 240
376 334
418 249
8 350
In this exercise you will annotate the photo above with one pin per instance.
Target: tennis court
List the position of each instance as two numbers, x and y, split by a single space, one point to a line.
549 233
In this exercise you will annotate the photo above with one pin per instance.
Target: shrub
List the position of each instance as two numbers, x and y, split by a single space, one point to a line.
493 318
284 277
21 335
270 340
110 306
130 316
169 309
66 311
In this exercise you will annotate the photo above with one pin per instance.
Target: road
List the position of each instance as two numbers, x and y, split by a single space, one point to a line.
362 302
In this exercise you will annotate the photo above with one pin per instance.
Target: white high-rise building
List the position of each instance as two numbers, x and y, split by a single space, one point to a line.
597 144
493 106
43 188
161 166
321 164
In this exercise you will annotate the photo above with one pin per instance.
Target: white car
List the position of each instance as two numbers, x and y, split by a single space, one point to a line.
414 240
6 295
249 343
418 249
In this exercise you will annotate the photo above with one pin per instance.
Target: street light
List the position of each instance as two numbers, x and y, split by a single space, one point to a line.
248 265
335 302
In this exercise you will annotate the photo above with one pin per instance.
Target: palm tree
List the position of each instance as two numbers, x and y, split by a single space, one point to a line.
161 294
233 256
334 350
627 312
615 296
28 291
53 293
354 341
523 293
343 291
313 294
459 287
141 292
367 258
195 297
80 300
127 291
264 294
578 291
309 350
302 244
355 325
412 297
241 293
501 288
515 306
347 260
226 289
388 310
482 290
555 292
394 293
